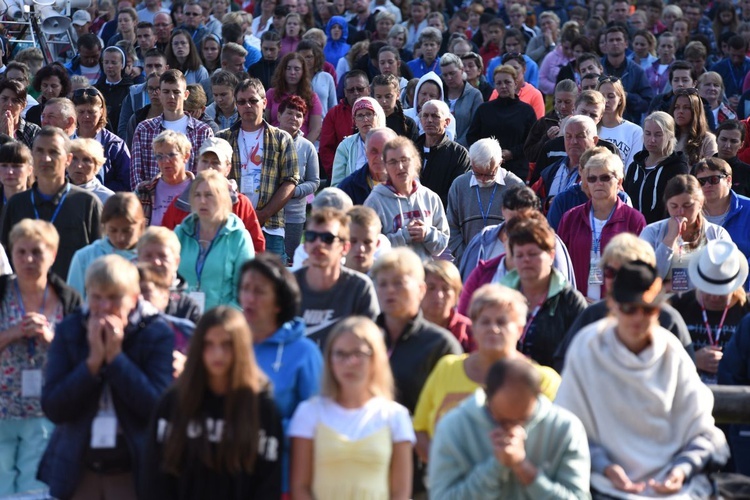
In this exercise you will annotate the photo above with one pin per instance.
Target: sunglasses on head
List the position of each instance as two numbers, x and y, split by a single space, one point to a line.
88 91
630 309
687 91
711 179
325 237
608 79
604 178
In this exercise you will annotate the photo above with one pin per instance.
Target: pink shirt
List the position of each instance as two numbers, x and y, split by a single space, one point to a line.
273 109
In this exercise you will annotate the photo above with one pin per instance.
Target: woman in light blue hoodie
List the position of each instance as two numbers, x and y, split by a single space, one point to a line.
270 299
123 224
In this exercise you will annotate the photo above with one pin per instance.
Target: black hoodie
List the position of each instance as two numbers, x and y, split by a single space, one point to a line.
646 186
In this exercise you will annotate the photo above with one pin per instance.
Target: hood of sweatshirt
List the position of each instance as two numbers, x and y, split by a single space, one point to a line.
339 21
429 77
639 172
289 332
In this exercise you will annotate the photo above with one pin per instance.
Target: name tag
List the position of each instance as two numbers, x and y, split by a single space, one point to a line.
680 282
104 432
31 384
596 274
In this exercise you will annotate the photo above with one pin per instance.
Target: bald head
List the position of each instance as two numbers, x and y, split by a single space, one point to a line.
376 139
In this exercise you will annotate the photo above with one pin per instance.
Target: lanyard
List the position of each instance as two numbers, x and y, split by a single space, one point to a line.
486 215
31 341
529 322
57 209
202 256
714 341
598 239
570 179
738 80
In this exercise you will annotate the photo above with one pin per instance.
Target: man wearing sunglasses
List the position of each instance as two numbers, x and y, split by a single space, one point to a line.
330 291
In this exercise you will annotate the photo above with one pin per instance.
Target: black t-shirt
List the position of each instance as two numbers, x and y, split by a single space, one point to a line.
691 312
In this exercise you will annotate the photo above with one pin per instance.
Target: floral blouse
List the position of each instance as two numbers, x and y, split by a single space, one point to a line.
16 357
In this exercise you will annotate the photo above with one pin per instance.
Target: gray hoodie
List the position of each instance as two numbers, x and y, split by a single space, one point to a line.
414 114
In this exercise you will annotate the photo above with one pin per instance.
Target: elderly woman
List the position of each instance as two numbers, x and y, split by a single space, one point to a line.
12 104
172 151
88 159
499 314
441 298
214 243
91 109
411 214
653 167
107 367
350 153
714 309
32 303
462 98
51 81
588 228
678 238
627 136
16 167
660 399
711 88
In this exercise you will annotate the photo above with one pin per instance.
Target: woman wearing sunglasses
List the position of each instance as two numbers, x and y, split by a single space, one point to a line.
693 134
588 228
679 238
626 135
659 398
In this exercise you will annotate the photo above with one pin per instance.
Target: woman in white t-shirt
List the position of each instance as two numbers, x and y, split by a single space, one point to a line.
353 441
627 136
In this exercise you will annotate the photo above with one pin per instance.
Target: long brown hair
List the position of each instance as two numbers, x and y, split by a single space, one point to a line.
193 60
238 448
304 89
698 127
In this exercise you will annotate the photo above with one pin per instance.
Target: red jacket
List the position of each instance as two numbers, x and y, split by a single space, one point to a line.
336 125
242 208
575 231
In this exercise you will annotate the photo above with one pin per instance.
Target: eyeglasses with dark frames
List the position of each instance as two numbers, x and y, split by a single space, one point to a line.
711 179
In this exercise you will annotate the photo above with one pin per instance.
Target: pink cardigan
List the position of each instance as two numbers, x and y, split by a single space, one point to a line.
550 68
575 231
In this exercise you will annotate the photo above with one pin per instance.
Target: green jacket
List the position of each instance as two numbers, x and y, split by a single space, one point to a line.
221 272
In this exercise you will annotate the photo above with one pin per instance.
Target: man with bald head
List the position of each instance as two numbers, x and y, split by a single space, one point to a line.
359 184
163 25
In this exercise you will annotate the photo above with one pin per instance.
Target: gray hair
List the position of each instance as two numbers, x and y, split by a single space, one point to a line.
398 30
430 34
449 58
442 107
611 162
484 152
67 108
586 121
563 86
667 126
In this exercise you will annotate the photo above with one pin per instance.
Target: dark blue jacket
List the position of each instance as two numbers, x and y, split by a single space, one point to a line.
70 396
115 173
734 369
640 93
733 78
356 185
737 224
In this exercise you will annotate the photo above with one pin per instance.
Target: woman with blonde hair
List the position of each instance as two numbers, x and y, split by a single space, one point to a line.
353 441
711 88
88 159
626 135
214 243
441 298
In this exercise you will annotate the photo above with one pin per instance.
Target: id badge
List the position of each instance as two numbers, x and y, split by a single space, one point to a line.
596 274
31 383
680 282
104 432
199 298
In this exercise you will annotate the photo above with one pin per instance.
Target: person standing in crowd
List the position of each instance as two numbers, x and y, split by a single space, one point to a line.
51 81
264 162
33 302
490 181
322 83
655 166
657 72
367 240
12 103
210 52
172 94
462 98
360 183
330 291
507 439
16 168
223 109
386 90
88 159
87 61
681 76
73 211
429 87
182 55
548 127
60 112
114 84
587 229
263 70
217 432
474 69
625 135
443 287
107 368
632 354
412 215
733 68
677 239
355 412
730 136
693 135
711 89
154 61
351 153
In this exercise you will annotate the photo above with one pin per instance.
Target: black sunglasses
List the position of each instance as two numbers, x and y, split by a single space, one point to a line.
604 178
326 237
608 79
88 91
630 309
711 179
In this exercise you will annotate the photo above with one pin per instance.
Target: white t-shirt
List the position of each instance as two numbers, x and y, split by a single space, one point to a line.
627 137
163 196
177 125
354 424
92 73
594 292
251 163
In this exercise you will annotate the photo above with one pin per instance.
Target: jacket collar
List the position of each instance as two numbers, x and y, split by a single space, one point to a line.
556 284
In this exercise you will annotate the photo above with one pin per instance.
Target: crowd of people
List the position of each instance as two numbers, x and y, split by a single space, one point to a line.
375 249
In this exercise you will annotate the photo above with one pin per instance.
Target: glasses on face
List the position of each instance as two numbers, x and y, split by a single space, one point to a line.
153 90
711 179
326 237
162 25
364 116
687 91
166 157
398 162
344 356
191 14
485 176
610 272
630 309
355 90
244 102
604 178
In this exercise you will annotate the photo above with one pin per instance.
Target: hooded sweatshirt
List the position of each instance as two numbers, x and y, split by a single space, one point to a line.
397 211
413 112
336 49
646 186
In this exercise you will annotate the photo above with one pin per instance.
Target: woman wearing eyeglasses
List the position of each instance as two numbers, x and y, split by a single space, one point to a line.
182 54
350 153
679 238
711 88
92 115
626 135
587 229
693 135
659 398
354 441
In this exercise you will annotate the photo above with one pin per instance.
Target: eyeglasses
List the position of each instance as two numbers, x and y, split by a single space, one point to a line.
153 90
510 55
163 25
344 356
485 176
191 14
608 79
604 178
687 91
357 90
610 272
398 162
326 237
711 179
166 157
252 102
364 116
630 309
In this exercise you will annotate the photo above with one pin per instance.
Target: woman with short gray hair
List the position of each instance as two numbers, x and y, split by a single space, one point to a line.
463 99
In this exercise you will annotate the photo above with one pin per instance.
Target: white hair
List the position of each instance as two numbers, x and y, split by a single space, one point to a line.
483 152
441 106
611 162
586 121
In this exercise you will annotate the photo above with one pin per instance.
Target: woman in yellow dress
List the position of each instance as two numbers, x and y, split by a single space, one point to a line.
353 441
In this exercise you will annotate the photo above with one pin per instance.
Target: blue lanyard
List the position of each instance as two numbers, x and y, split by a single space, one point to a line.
570 179
31 342
598 239
737 80
486 215
202 256
57 210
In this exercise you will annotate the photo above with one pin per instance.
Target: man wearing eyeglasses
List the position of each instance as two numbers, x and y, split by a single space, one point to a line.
164 26
338 121
331 292
193 24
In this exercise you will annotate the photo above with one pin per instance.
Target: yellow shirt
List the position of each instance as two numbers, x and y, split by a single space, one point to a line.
448 385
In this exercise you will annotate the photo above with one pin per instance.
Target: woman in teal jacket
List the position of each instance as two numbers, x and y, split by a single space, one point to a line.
215 243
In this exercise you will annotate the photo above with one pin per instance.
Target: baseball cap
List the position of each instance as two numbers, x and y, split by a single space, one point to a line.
219 147
81 17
